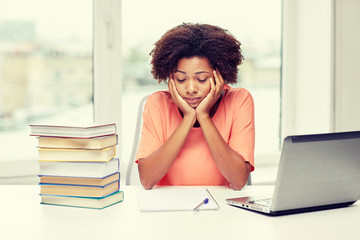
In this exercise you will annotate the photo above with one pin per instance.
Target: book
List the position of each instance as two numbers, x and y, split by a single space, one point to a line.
79 169
175 199
79 190
77 155
78 143
81 180
87 130
84 202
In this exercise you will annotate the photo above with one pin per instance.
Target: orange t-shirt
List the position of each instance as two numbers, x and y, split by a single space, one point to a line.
194 165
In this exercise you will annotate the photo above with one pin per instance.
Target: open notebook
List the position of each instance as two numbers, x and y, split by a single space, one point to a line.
175 199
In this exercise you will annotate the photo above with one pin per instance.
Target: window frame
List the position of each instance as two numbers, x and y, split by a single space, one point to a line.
107 62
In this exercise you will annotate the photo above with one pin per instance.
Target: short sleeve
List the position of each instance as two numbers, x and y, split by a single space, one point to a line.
242 137
152 136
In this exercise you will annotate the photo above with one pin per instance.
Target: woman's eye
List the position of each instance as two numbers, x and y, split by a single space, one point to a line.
180 80
202 80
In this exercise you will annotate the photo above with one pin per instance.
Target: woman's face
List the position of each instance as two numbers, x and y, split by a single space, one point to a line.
192 79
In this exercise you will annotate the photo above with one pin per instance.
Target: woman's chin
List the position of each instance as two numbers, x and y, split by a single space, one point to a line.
194 105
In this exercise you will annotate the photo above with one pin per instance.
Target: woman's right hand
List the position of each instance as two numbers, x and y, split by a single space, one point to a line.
187 110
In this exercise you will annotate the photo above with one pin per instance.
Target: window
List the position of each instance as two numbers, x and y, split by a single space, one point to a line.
256 24
45 70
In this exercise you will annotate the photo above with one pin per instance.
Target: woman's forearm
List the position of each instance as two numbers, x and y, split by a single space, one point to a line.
232 166
155 166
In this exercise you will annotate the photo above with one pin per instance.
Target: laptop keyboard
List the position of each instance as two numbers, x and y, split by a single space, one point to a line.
263 202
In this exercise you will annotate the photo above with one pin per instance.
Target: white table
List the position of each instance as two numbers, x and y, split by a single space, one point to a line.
23 217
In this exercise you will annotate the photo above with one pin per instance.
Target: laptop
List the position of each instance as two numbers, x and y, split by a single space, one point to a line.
316 172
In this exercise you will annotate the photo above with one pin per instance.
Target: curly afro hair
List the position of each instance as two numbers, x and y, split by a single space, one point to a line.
196 40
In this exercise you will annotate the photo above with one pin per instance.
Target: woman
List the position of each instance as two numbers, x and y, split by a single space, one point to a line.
201 131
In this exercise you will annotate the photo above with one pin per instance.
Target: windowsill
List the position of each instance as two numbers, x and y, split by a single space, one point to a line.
21 180
19 171
25 171
266 166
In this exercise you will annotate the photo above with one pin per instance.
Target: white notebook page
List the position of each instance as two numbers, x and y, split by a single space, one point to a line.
175 199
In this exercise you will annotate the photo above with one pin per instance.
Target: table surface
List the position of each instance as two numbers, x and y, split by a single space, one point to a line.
23 217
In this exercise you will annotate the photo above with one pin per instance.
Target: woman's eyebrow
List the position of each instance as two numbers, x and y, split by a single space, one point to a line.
200 72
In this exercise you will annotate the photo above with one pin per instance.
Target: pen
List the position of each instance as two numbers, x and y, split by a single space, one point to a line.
205 201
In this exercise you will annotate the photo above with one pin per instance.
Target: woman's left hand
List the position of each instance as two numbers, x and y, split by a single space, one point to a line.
215 92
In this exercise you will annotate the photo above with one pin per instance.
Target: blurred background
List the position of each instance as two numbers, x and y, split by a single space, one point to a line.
46 66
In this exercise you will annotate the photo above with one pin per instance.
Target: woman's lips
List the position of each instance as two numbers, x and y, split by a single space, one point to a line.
192 101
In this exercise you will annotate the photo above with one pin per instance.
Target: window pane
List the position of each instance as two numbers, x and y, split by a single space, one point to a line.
45 69
256 24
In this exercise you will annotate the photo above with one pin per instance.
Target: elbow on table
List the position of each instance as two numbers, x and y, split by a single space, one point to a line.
145 180
241 180
237 187
146 184
146 187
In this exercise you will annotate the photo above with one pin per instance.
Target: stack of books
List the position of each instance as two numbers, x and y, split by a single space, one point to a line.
78 165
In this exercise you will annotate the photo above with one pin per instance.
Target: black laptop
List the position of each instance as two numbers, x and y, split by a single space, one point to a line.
316 172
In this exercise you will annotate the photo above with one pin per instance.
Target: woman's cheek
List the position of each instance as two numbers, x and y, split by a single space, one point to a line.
179 89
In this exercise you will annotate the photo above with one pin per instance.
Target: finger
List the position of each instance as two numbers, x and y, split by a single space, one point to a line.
170 86
212 85
171 89
222 81
219 82
174 93
217 79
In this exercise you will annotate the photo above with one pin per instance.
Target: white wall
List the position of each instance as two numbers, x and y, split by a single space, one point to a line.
307 78
320 66
347 70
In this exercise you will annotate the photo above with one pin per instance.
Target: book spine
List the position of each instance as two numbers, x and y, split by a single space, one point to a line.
78 185
95 164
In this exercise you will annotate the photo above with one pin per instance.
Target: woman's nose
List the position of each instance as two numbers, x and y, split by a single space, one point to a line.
191 87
